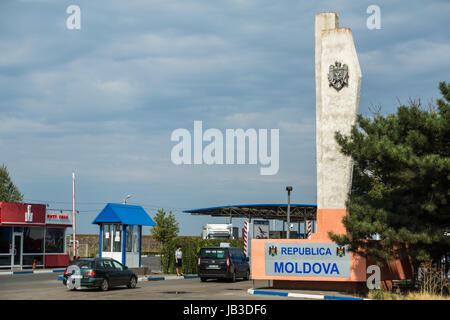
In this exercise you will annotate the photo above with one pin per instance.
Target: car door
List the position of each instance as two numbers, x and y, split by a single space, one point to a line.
237 261
122 275
110 272
244 265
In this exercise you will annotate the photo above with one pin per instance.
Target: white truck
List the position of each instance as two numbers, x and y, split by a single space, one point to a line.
217 231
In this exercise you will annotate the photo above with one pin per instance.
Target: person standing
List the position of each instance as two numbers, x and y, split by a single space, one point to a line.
179 261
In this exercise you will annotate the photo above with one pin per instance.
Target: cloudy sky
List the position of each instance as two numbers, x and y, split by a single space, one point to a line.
104 100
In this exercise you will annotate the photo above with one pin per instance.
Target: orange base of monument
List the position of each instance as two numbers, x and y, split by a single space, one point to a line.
327 220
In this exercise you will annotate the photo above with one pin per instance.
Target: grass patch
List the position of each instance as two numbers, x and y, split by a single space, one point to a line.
388 295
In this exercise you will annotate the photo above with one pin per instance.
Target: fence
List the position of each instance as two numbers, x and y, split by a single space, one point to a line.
88 245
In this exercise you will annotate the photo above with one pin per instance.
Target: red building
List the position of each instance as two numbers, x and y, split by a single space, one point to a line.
31 233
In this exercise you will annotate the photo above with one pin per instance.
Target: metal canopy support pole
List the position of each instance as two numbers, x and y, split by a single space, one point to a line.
304 229
314 226
288 189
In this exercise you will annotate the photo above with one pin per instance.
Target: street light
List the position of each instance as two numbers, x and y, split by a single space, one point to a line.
288 189
125 200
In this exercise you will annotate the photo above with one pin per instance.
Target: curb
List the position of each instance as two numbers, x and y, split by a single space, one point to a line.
31 272
169 278
301 295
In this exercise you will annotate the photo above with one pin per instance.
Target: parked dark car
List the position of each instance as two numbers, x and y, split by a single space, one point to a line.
222 263
102 273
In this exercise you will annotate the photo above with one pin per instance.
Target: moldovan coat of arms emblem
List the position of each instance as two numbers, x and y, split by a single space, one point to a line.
273 251
338 75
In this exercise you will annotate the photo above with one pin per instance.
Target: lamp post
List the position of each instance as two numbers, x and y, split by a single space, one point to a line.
288 189
126 198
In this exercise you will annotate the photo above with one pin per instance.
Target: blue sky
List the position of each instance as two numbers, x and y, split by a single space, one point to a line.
103 100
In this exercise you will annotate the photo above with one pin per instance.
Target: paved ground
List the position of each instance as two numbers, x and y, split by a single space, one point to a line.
46 286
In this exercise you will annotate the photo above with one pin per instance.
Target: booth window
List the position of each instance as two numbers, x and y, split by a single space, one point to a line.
132 238
117 240
54 240
33 240
106 240
136 238
129 238
112 238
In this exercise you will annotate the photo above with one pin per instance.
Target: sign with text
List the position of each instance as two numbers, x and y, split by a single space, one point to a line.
63 217
261 229
307 260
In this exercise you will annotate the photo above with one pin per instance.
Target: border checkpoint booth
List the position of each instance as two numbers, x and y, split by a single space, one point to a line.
121 232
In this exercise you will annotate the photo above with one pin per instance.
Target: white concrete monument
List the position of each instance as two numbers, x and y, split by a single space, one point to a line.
338 85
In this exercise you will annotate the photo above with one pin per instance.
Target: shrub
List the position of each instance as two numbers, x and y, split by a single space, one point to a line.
191 248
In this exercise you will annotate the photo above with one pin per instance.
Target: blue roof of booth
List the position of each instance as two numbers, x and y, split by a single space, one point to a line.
124 214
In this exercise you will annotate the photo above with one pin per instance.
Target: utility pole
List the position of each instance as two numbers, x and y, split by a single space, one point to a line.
288 189
74 216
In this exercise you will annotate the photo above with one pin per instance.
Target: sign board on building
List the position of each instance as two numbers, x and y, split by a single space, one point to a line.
260 229
29 214
63 217
307 260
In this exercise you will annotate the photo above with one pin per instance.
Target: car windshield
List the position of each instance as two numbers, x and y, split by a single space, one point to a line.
213 253
83 264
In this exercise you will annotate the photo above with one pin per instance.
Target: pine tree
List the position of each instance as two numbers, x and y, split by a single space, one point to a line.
8 191
400 189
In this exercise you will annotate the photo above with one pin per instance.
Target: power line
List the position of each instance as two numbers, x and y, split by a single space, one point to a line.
145 206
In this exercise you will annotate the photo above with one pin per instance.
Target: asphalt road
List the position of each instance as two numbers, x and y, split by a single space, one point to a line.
47 287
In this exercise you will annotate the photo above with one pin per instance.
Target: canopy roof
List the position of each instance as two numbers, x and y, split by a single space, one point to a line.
299 212
124 214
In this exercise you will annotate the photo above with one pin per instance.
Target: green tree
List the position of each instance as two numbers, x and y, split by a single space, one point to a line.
166 227
400 189
8 191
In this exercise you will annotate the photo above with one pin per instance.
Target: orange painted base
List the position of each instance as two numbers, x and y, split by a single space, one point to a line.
327 220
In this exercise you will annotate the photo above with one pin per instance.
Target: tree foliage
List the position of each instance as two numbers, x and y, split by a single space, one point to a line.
166 227
400 189
8 191
191 248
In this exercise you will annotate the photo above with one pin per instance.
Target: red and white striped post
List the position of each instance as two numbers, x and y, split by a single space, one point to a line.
245 236
309 229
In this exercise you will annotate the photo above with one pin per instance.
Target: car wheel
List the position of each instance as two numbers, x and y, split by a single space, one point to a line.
105 285
247 275
203 279
233 277
132 283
